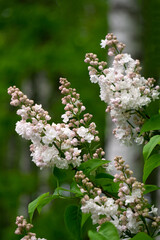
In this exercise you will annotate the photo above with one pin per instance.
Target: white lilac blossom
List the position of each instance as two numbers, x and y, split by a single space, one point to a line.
132 223
108 209
136 193
66 117
85 134
110 212
56 144
154 210
45 141
104 43
125 91
109 168
103 208
51 144
127 212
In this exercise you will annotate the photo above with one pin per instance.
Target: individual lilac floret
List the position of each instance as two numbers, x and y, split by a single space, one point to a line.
125 91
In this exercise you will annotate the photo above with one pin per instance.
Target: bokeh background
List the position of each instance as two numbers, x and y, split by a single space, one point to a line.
41 41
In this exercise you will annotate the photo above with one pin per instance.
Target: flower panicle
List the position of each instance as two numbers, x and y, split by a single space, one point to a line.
59 144
123 89
127 211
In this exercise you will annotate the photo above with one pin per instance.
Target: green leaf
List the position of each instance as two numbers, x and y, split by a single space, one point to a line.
91 165
107 232
142 236
150 164
107 183
103 181
56 193
63 175
150 188
104 175
96 236
60 174
73 218
112 188
85 216
87 225
75 189
152 124
148 148
59 191
44 202
38 203
153 108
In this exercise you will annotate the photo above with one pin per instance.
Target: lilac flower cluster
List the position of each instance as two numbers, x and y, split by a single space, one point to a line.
122 87
23 228
59 144
127 212
75 140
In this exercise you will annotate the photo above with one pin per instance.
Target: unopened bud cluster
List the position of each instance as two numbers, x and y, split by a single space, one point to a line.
18 97
114 45
86 186
23 228
73 106
95 65
99 153
28 111
130 190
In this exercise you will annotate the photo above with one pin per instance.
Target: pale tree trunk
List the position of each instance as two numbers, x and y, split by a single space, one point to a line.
123 21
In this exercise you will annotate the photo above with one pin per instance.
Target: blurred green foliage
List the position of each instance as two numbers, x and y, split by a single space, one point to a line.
151 38
51 37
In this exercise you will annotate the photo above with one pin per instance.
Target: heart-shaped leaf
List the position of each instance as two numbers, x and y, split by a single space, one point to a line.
91 165
150 164
73 216
39 203
152 124
148 148
107 232
142 236
150 188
